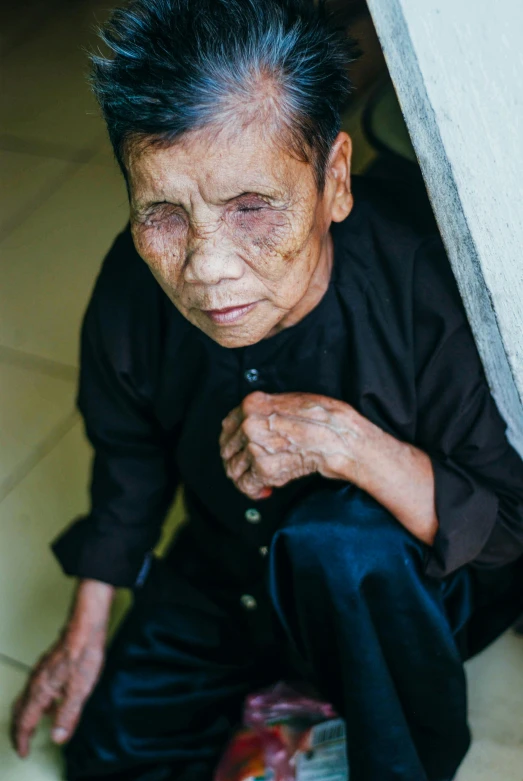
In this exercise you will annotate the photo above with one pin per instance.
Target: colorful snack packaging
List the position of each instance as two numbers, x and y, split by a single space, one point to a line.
288 736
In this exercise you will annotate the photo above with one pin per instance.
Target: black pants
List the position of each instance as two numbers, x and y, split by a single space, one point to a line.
345 605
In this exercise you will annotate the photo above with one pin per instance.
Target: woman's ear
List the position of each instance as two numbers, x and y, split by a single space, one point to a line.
339 175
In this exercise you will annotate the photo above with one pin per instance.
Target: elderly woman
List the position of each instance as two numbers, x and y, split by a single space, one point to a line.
295 354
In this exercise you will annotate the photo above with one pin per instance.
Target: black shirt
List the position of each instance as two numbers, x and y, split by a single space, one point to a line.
389 337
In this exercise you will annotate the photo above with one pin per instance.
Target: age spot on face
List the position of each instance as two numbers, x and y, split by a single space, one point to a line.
159 241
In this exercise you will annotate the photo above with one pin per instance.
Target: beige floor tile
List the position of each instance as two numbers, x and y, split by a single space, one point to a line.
31 406
490 761
495 680
40 506
25 180
48 264
45 96
44 762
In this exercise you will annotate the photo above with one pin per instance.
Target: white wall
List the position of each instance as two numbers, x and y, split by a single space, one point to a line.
457 66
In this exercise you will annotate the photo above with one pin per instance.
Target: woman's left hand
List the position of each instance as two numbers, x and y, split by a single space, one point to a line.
271 439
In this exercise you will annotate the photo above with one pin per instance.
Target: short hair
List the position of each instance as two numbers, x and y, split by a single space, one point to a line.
180 65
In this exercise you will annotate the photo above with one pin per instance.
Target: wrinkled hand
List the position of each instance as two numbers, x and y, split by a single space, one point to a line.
59 684
65 676
271 439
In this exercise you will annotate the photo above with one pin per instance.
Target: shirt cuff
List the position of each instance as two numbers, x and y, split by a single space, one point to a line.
467 512
98 551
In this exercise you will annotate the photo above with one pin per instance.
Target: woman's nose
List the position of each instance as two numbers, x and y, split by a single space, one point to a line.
209 264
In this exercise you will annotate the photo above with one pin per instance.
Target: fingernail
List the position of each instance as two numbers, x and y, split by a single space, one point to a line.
59 734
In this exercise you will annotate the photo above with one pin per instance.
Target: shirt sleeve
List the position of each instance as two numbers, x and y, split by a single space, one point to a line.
478 475
132 481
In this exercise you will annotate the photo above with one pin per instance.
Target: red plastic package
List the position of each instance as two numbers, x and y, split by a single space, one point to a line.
288 736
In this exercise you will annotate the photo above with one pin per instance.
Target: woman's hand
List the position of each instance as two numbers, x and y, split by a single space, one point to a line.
65 676
271 439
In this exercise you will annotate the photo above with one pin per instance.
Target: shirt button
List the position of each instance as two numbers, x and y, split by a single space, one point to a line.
252 515
248 602
263 550
251 375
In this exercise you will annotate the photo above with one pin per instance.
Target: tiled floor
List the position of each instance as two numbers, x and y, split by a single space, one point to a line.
61 203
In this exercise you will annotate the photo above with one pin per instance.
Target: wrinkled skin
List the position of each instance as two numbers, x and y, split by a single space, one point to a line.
271 439
65 676
226 232
59 686
224 222
218 229
220 221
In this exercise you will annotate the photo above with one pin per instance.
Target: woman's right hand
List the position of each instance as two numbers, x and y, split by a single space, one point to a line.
65 676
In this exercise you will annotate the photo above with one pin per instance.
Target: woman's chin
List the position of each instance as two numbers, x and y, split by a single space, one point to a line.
234 334
231 337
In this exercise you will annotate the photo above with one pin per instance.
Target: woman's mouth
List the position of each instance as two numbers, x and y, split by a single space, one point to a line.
230 314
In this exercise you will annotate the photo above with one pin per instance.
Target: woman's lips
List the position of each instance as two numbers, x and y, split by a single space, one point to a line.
230 314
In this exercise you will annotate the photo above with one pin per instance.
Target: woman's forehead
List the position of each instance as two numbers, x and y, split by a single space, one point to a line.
217 167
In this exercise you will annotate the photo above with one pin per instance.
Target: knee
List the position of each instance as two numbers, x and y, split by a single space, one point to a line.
348 533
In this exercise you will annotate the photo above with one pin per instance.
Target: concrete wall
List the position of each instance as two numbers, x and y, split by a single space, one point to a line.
457 66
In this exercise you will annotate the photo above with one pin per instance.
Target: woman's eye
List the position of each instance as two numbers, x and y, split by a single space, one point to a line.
250 208
166 213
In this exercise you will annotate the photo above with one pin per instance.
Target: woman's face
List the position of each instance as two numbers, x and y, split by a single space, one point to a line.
234 230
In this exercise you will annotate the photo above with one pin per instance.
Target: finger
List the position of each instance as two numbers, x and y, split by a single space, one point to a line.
256 404
67 715
279 469
234 443
28 713
230 424
258 431
246 458
249 485
238 464
256 482
263 442
249 429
